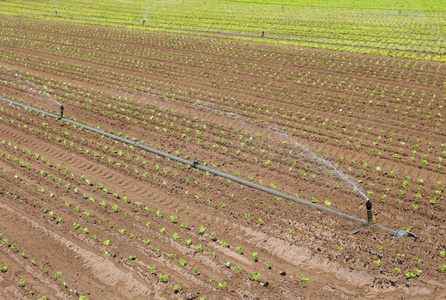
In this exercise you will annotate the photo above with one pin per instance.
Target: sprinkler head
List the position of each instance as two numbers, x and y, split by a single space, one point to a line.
368 206
404 233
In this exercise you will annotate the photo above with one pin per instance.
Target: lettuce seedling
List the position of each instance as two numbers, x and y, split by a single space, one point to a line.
58 275
22 282
182 262
224 243
254 276
238 269
254 255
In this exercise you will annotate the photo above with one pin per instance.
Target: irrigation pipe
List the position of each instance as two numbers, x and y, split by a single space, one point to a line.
206 169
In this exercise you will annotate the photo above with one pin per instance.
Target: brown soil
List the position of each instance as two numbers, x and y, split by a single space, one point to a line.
240 107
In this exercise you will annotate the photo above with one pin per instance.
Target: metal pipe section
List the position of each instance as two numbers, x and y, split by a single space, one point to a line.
206 169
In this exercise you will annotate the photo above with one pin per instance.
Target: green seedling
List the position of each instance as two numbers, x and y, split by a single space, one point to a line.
22 282
254 255
163 278
254 276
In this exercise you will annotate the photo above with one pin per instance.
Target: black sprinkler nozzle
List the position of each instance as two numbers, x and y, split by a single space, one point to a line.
368 206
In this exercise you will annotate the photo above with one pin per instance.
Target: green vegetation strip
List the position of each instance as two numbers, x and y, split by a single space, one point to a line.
206 169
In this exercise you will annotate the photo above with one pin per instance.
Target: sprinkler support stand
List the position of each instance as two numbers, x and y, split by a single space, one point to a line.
368 206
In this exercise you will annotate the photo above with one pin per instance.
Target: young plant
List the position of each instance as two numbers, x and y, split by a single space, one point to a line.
182 262
185 225
254 255
254 276
22 282
58 275
151 269
3 268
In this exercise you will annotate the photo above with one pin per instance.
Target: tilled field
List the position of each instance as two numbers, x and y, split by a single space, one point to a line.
83 215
